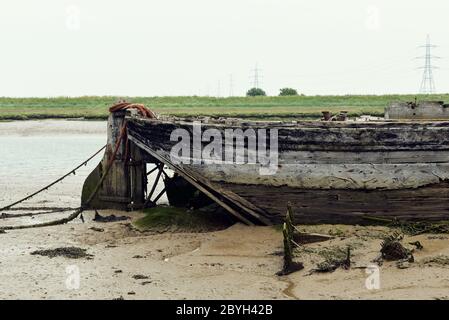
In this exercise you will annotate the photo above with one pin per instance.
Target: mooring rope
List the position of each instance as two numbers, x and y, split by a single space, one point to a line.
34 212
79 210
117 107
53 183
40 208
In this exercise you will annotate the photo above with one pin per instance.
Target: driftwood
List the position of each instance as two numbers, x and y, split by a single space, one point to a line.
33 213
72 216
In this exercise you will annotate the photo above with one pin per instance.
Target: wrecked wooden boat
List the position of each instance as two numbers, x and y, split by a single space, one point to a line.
330 172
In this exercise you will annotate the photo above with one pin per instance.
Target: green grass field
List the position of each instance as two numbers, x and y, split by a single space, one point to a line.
247 107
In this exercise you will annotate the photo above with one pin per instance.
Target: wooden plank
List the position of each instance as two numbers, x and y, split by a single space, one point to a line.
348 206
409 138
367 157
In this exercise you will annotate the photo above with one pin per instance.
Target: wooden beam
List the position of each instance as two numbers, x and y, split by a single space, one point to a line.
153 188
152 170
159 196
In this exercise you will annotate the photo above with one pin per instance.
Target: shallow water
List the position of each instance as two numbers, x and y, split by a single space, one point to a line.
34 153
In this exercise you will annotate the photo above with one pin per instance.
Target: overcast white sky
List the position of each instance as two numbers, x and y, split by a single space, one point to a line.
188 47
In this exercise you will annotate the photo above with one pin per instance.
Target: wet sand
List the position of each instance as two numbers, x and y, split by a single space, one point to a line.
239 262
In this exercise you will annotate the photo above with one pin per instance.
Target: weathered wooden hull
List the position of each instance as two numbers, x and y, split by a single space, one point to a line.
349 206
337 172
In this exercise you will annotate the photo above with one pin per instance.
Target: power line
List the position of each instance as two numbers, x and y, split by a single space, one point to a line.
231 85
256 76
218 88
427 82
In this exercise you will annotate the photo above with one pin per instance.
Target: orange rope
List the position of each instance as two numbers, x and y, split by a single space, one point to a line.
145 112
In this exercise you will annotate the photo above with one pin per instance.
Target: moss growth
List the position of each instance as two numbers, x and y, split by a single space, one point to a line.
336 232
334 259
412 228
165 218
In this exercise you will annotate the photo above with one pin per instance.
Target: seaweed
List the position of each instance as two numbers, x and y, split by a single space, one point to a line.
110 218
334 259
441 260
67 252
413 228
165 218
392 249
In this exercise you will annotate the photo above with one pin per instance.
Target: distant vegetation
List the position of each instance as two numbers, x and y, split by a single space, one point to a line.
286 107
255 92
288 92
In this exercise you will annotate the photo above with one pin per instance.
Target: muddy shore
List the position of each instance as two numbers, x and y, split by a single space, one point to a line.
238 262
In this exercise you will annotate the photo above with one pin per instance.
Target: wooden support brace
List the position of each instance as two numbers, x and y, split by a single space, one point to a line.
195 182
156 181
152 170
159 195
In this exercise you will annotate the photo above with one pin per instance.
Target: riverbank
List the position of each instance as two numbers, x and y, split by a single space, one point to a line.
293 107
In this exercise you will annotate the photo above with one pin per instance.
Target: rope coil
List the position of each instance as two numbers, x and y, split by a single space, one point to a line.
144 111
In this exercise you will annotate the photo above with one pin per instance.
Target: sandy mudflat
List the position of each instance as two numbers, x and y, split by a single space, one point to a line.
237 263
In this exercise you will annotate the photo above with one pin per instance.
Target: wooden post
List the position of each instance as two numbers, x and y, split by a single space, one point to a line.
124 186
137 176
289 222
288 250
288 232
